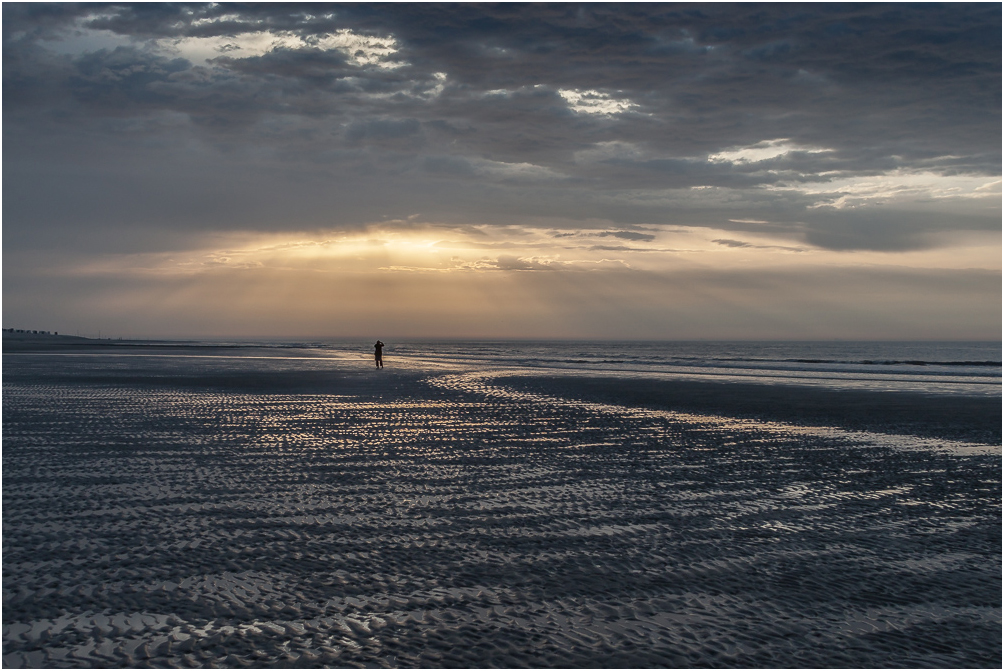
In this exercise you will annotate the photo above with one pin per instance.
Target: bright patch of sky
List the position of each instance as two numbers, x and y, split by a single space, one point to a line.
223 18
440 78
199 50
897 185
594 102
361 50
615 149
513 171
416 247
763 151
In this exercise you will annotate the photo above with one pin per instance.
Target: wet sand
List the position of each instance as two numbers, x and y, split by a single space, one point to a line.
967 418
195 512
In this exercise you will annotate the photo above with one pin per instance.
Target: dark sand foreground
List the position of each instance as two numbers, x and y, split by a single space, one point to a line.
215 512
965 418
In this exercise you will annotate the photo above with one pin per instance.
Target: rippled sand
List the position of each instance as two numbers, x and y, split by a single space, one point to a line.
172 513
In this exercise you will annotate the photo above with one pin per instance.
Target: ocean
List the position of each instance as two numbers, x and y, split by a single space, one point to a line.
960 368
957 368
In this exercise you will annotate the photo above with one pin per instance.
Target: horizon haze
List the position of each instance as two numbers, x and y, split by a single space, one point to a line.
566 171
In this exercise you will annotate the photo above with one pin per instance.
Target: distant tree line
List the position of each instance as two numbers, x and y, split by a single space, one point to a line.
30 331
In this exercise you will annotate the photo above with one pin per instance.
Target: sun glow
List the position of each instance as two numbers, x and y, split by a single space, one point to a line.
563 280
408 247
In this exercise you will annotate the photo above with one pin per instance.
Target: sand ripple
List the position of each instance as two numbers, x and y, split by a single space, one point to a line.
454 522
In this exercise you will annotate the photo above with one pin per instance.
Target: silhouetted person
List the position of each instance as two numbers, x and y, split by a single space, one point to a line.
378 353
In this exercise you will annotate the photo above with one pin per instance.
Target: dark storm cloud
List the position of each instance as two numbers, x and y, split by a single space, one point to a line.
471 116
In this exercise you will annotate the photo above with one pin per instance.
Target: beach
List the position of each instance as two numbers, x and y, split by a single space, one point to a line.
180 506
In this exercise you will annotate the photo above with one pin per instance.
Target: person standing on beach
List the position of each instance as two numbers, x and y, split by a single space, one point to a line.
378 353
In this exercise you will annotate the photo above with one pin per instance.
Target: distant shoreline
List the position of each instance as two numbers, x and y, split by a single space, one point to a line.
31 342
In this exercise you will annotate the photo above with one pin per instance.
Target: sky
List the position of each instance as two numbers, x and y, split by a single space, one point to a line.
622 171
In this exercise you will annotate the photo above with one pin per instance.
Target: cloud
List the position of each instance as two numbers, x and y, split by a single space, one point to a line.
382 130
762 151
543 129
357 50
484 168
739 244
594 102
620 248
507 262
627 235
842 192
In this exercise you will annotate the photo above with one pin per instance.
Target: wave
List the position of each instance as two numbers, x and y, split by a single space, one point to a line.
831 362
862 362
932 363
